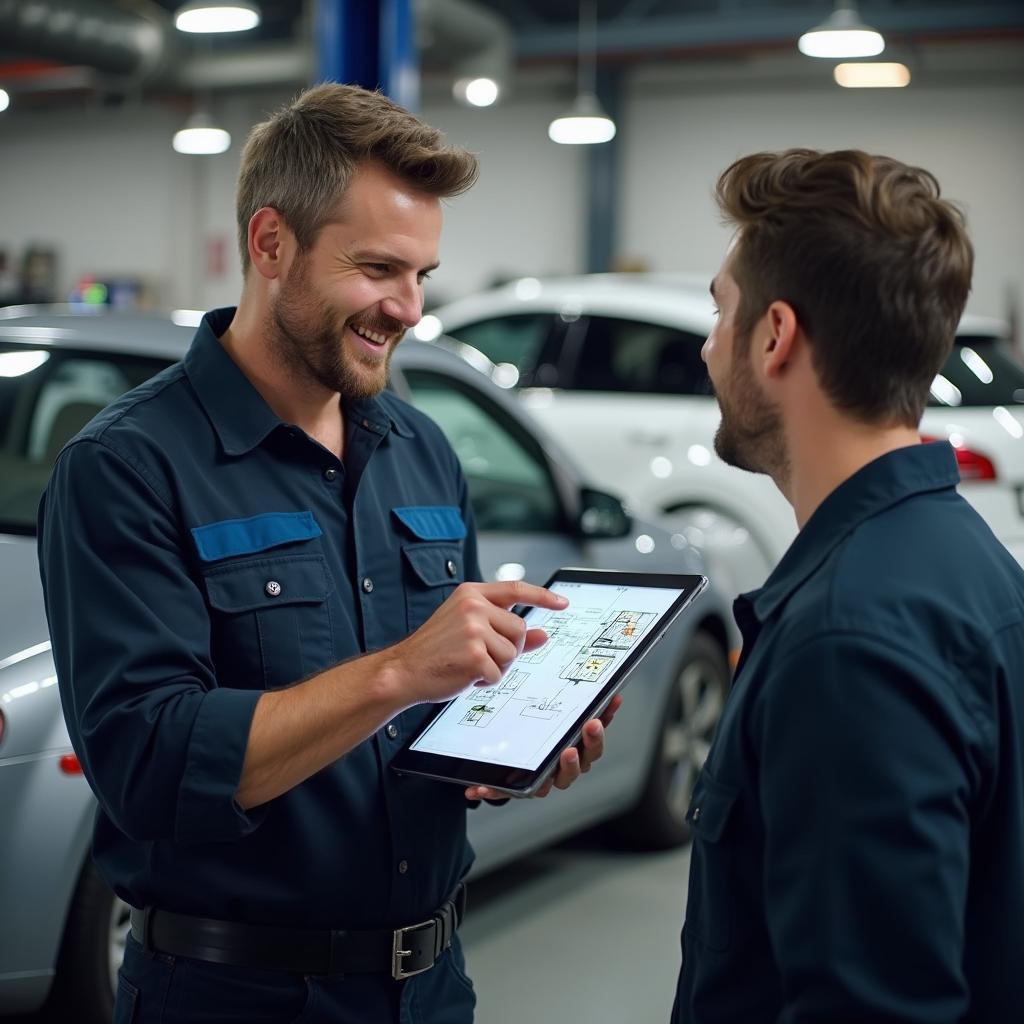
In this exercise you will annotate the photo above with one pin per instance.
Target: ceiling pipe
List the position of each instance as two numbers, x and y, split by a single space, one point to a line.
134 42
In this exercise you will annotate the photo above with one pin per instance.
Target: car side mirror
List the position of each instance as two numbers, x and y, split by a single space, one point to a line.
602 515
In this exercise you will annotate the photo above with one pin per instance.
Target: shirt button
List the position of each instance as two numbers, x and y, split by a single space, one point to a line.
696 814
451 567
367 584
392 731
330 474
403 866
272 588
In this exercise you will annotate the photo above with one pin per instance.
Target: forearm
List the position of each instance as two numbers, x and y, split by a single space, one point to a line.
297 731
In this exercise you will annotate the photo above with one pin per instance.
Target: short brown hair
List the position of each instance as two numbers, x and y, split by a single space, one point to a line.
301 159
876 266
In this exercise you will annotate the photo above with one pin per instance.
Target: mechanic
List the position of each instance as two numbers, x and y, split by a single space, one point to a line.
859 822
260 572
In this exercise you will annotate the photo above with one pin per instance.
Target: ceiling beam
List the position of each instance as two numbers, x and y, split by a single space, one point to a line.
767 27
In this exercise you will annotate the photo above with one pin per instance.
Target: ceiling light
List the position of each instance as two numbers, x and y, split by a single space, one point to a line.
871 75
5 99
842 34
477 92
211 16
583 124
201 136
586 122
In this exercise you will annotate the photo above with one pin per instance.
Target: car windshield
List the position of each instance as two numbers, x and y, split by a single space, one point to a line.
980 371
47 395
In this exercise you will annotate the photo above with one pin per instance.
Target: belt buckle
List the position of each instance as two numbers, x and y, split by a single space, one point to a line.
399 953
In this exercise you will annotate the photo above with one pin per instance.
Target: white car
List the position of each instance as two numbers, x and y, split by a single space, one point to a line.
610 363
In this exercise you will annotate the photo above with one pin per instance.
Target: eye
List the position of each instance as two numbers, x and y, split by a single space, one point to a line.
716 312
424 276
378 268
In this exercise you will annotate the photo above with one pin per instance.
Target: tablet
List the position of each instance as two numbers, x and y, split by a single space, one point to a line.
509 735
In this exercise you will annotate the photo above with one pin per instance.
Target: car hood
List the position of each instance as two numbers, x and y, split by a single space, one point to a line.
22 617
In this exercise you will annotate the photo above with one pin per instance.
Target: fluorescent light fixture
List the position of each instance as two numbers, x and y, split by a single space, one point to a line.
585 123
841 35
5 99
211 16
201 136
476 92
871 75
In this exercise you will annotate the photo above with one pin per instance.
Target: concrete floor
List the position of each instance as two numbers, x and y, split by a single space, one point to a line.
577 933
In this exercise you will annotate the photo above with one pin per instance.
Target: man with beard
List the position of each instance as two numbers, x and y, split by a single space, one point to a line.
220 550
859 822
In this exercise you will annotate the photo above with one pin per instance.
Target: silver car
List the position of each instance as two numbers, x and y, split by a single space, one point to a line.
62 930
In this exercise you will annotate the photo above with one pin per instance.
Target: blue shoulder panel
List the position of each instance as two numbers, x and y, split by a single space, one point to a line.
257 533
433 522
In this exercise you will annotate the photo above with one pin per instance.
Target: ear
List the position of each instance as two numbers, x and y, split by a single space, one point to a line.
780 347
270 241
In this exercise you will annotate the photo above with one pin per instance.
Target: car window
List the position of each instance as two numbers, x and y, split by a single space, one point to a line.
628 355
522 340
509 483
46 396
980 371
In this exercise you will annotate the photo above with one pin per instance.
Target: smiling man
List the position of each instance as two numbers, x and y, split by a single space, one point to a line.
858 826
259 571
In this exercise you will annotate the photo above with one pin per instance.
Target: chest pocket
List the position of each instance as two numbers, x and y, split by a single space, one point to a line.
710 907
270 618
432 561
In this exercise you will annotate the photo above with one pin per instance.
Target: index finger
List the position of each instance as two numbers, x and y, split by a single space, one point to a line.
513 592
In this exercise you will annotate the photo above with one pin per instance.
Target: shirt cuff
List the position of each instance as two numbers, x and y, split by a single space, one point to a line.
207 810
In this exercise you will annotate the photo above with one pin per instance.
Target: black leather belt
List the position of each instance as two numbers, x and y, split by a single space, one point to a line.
402 952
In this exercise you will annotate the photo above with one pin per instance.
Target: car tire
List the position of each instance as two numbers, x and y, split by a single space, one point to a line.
692 708
91 952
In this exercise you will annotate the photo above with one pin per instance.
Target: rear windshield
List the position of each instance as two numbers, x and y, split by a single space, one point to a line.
980 371
46 396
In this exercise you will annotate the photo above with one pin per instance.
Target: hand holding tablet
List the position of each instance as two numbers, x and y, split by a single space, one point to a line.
507 731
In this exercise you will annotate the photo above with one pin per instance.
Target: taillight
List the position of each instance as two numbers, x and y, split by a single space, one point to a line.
972 464
70 765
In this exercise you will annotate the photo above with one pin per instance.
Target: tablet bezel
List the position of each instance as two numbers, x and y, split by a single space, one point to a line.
523 781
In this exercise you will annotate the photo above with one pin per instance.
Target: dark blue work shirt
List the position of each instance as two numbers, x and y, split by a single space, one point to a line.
197 551
859 823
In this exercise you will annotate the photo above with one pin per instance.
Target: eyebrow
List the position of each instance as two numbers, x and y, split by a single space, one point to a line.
379 256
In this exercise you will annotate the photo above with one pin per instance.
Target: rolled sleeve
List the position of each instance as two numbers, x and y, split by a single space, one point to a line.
865 790
161 746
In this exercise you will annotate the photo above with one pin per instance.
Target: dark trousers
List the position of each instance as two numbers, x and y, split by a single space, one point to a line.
157 989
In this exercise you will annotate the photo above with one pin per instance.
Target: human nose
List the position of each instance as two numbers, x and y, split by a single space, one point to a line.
405 303
704 349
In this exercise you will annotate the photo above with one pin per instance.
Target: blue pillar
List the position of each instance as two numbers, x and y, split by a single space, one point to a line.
602 187
371 43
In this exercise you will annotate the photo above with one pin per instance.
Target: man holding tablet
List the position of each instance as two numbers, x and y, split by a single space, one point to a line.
858 826
254 571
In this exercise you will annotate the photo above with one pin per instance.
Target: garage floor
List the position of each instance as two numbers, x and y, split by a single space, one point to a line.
577 933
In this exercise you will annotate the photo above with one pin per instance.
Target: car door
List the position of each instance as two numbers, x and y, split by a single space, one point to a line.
524 530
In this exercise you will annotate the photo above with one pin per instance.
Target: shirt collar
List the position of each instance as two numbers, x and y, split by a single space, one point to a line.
882 483
238 412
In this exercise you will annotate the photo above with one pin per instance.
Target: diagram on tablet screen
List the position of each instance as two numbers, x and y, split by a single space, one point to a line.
516 720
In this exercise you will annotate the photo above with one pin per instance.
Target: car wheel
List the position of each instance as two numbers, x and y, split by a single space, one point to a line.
689 717
91 951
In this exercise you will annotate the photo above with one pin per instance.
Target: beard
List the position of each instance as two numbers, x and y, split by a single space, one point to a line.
307 337
750 435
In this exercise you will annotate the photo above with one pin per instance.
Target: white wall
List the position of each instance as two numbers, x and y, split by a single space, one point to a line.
106 188
971 138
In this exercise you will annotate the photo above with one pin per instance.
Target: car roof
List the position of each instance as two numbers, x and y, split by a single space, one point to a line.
681 299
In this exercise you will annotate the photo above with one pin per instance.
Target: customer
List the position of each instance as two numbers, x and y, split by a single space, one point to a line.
859 824
253 570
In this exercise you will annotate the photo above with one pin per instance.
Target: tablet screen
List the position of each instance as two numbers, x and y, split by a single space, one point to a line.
518 721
